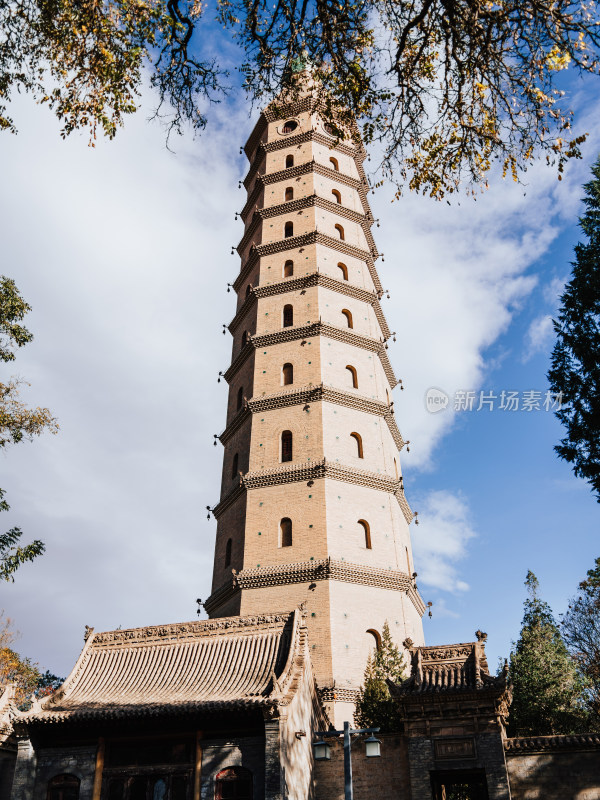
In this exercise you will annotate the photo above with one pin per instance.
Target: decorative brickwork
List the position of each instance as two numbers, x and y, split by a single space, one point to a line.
308 332
317 570
313 394
312 201
315 279
303 241
311 472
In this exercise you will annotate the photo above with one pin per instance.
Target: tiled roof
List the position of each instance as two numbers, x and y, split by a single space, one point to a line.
449 668
540 744
201 665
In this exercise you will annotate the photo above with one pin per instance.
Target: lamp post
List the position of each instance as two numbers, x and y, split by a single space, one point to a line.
322 751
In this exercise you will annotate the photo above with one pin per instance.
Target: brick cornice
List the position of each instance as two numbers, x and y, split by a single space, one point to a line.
313 394
302 241
332 694
271 115
316 570
308 332
307 471
359 184
313 200
357 154
238 361
305 282
251 201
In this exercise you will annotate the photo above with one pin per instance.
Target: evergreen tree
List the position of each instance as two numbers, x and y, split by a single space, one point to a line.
547 692
575 370
581 631
375 706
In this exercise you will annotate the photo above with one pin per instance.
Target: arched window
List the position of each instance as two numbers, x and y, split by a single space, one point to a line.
353 376
348 316
234 466
286 446
244 338
334 164
408 562
233 783
288 269
228 553
337 195
340 231
248 288
367 532
288 229
240 398
289 193
285 532
359 447
396 470
289 161
288 315
344 270
377 636
289 126
287 374
63 787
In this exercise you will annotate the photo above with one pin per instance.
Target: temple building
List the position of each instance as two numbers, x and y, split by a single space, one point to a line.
312 558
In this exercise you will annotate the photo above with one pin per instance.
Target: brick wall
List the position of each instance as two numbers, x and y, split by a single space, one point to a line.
562 773
217 754
383 778
79 761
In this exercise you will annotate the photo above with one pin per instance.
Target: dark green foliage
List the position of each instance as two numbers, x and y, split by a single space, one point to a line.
547 691
375 707
575 370
581 631
12 555
12 310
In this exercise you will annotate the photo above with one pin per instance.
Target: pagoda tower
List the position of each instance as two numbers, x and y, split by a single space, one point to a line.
312 506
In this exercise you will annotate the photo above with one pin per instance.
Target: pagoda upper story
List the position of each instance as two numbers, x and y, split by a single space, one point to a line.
312 504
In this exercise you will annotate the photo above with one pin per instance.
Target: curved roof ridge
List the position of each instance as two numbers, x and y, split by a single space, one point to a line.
210 663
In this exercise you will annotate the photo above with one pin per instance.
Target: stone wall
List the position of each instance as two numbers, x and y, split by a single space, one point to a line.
217 754
554 767
35 769
8 757
383 778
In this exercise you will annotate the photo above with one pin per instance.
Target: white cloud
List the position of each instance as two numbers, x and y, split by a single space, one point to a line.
539 337
553 290
123 252
440 540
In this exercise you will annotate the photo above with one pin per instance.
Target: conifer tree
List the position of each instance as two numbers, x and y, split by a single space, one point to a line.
547 692
581 630
375 706
575 370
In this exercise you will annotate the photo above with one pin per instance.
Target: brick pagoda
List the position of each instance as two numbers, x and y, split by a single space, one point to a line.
312 505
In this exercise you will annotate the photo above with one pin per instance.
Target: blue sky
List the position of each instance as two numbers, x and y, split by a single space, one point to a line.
124 253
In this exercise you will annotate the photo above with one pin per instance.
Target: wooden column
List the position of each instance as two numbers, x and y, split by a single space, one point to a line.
99 769
198 767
